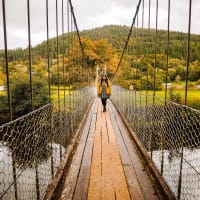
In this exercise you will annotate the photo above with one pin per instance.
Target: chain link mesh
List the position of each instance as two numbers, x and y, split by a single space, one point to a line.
32 147
170 133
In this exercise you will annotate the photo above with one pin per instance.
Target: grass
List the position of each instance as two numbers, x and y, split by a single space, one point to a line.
55 87
70 96
3 93
193 99
193 96
54 94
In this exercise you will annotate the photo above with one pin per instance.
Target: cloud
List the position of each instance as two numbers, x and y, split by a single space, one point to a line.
17 21
102 16
179 15
124 3
90 14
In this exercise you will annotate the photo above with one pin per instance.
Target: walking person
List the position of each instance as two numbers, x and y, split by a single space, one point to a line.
104 90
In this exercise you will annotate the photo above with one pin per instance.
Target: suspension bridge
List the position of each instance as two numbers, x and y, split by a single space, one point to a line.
143 147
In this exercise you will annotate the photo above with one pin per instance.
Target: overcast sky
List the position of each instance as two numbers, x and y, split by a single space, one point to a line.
90 14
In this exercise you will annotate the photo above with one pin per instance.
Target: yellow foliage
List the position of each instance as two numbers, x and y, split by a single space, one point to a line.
2 79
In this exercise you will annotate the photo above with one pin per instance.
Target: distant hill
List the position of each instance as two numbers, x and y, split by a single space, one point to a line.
141 38
141 41
144 63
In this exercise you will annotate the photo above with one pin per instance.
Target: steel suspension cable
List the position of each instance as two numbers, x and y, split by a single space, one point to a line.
75 71
75 27
49 79
129 35
137 50
142 53
77 30
6 61
72 72
31 89
63 55
68 38
148 52
168 32
57 55
9 93
48 58
73 62
30 53
188 51
186 87
156 49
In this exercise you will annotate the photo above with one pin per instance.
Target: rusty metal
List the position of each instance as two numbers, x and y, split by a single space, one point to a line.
168 33
6 59
48 57
29 54
188 52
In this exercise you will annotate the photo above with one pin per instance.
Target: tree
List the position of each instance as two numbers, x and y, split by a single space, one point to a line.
2 78
194 73
172 73
3 110
21 96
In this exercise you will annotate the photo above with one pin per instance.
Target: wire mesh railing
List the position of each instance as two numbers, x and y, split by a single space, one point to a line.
32 146
170 133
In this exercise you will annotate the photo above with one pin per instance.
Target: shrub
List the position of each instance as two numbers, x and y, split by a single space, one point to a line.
21 98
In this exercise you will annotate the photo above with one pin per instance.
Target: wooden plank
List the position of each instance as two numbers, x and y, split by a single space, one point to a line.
122 147
134 187
53 190
117 173
82 184
83 178
95 183
111 135
92 126
107 179
71 179
107 189
143 178
87 158
140 175
105 137
96 106
117 169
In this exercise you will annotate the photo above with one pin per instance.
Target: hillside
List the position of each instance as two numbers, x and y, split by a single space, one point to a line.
116 35
141 67
105 44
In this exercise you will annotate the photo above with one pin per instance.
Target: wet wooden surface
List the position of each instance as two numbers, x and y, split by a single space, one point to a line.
106 165
107 179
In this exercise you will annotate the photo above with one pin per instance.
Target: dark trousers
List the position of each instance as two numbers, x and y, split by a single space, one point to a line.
104 102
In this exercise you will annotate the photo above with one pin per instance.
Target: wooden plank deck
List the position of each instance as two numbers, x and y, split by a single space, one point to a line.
106 165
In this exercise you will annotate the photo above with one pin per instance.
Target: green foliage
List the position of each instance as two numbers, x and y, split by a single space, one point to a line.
174 97
194 102
198 82
104 46
21 96
194 72
3 109
2 79
116 36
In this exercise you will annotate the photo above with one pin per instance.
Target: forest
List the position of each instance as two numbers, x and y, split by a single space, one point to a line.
143 66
